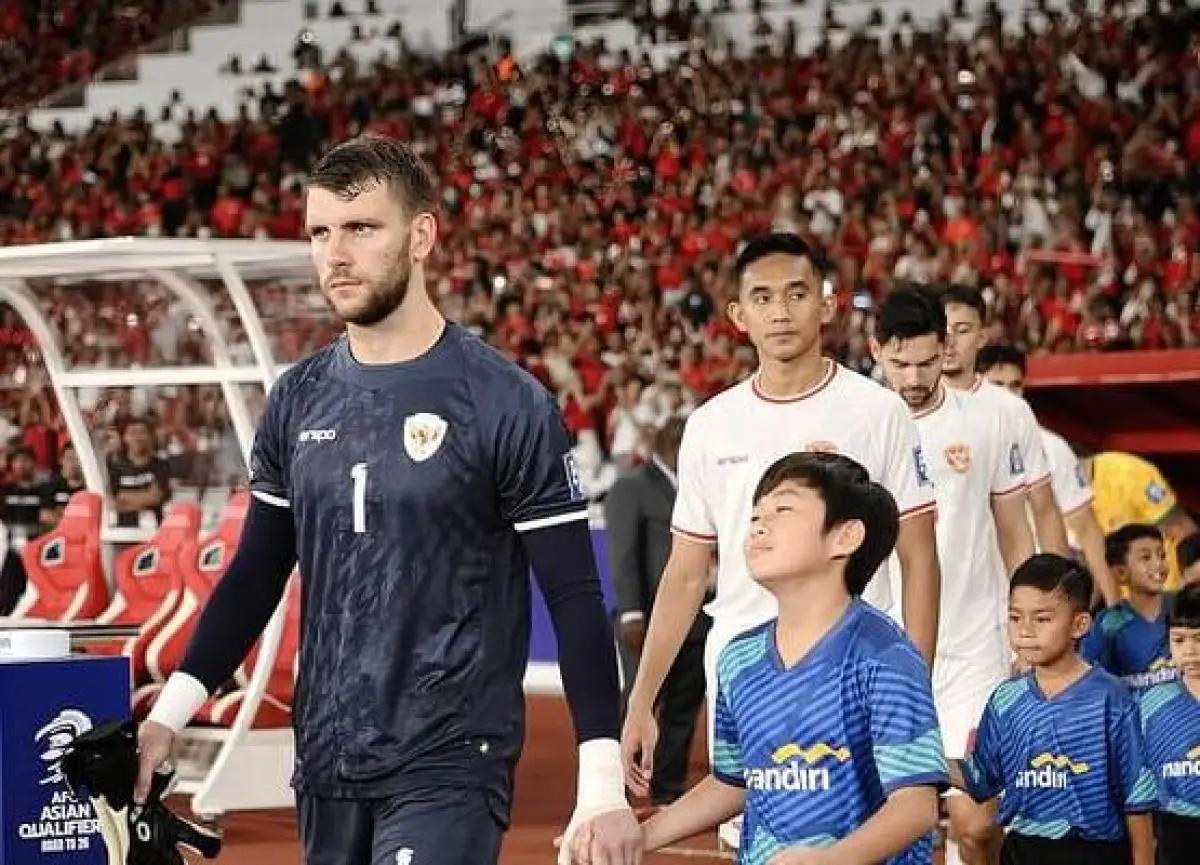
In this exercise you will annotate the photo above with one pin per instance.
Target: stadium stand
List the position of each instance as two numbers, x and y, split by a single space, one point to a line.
1055 166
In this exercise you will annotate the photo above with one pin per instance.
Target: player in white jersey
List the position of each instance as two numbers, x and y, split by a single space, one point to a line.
1004 366
982 534
966 315
796 400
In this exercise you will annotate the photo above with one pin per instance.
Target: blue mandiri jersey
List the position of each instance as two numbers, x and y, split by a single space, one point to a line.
820 745
410 485
1171 729
1131 647
1071 765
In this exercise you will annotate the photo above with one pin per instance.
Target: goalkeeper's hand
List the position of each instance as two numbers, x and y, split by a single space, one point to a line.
154 743
105 762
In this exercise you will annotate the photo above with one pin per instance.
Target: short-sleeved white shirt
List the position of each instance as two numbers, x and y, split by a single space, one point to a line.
731 440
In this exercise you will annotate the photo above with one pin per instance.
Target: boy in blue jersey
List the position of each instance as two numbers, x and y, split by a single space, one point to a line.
1171 729
1062 742
826 734
1129 639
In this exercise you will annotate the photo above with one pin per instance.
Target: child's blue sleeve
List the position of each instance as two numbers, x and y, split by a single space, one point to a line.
727 766
906 740
1135 782
1096 646
983 769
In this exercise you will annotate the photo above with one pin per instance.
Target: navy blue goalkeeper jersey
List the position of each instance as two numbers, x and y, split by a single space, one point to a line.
410 485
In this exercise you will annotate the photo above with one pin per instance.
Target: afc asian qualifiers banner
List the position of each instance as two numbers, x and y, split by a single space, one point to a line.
43 706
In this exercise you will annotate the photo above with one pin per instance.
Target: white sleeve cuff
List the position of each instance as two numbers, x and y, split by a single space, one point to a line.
181 698
633 616
601 777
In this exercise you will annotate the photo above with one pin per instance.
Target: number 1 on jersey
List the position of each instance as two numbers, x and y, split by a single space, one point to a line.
359 475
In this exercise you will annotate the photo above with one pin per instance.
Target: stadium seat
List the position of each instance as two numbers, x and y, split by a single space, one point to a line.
149 579
202 562
275 709
65 572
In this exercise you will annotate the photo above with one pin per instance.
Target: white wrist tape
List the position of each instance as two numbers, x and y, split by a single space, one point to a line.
601 788
601 777
180 699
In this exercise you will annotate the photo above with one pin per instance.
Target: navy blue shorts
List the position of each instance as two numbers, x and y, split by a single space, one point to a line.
438 826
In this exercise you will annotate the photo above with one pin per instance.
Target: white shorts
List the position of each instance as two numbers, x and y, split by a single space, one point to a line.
961 688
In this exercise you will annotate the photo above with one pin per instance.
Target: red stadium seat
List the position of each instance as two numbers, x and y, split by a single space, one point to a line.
65 572
275 709
148 585
202 562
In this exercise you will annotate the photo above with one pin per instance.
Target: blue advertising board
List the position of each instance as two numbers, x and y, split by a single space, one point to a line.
43 706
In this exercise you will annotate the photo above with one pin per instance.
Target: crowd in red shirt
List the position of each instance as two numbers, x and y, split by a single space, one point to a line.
592 206
45 46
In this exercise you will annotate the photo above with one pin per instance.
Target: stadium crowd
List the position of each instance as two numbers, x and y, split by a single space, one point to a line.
47 46
592 203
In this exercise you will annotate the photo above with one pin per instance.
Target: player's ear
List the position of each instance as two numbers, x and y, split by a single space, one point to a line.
1081 624
422 235
845 538
828 307
876 350
737 315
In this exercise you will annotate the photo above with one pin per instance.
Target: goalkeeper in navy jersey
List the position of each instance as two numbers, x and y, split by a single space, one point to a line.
414 475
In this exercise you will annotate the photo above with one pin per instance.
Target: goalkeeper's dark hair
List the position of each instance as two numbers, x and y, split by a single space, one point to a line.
849 494
360 164
1185 609
1049 572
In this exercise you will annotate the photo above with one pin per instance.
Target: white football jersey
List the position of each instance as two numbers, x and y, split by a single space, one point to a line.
1072 489
971 453
1024 424
730 441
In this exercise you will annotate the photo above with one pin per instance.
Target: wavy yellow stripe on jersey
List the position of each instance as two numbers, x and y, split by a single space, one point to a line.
1060 761
811 754
1194 754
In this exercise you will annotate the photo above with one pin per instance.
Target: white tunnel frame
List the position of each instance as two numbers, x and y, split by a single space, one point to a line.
236 779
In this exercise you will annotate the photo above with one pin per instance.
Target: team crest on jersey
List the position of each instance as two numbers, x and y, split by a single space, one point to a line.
821 447
423 435
958 457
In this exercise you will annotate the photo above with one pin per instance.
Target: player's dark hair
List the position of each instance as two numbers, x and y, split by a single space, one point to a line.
1185 608
1049 572
967 295
360 164
777 243
909 312
999 354
1187 552
849 494
1117 544
22 451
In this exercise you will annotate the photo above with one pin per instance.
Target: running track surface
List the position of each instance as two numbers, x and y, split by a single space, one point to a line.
544 794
